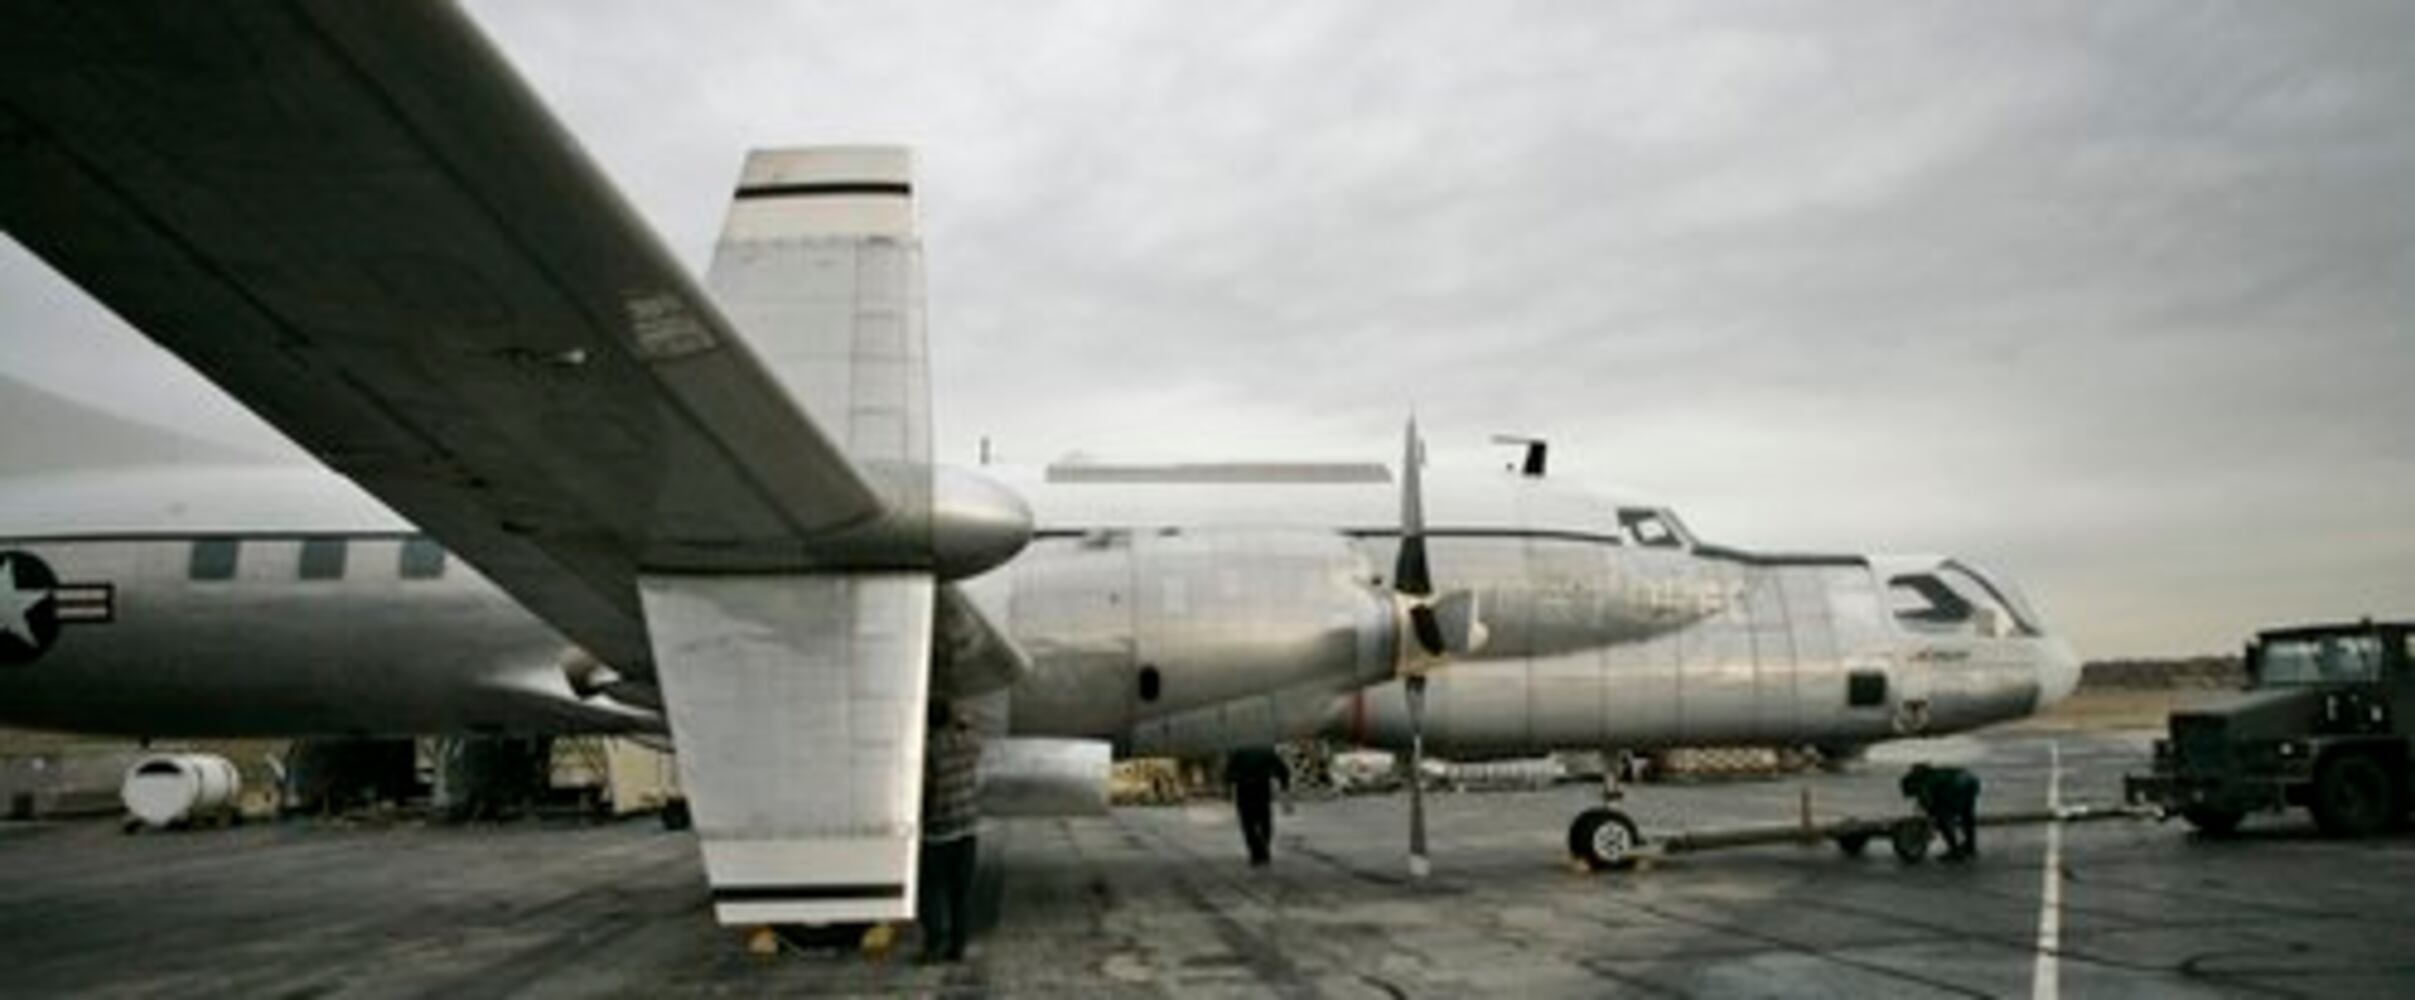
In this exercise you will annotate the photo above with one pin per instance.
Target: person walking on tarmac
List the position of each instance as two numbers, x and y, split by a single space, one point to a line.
1253 772
1949 796
951 759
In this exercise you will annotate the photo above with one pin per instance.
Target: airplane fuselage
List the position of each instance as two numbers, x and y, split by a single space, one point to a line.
1179 609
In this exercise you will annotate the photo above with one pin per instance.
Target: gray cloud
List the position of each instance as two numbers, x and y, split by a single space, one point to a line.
2113 296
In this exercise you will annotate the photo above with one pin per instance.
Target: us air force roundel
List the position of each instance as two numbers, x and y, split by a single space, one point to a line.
34 604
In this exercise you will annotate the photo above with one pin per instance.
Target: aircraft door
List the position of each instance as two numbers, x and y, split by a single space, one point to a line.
1719 676
1878 695
1567 694
1817 673
1776 671
1914 695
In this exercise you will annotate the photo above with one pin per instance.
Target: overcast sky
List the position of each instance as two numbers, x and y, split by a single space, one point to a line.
2116 297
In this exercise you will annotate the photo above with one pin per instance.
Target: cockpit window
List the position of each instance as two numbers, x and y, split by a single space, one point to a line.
1669 517
1954 600
1926 603
1653 528
2333 659
1971 579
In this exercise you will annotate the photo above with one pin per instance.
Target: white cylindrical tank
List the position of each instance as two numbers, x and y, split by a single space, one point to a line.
171 788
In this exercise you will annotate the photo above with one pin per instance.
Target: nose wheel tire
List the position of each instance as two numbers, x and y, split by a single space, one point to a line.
1604 839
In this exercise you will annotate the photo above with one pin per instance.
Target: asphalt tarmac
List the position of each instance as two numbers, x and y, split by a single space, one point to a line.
1160 901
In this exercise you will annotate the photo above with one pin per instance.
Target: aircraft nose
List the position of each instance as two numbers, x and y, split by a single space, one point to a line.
2058 671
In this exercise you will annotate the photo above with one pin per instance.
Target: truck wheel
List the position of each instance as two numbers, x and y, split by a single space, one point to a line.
2352 797
2212 821
1603 839
1910 838
1853 844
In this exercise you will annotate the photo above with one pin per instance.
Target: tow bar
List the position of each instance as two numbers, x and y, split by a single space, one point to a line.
1602 839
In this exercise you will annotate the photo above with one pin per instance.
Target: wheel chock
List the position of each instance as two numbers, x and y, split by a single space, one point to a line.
762 940
877 941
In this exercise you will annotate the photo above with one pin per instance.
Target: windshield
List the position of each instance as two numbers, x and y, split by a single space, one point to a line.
1955 600
2332 659
2025 615
1653 527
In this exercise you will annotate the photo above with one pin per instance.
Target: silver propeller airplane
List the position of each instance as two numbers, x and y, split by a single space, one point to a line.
588 495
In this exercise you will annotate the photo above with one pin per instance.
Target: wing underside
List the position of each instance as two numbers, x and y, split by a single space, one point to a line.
355 218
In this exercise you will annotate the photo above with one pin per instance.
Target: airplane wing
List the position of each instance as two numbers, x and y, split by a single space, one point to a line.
356 219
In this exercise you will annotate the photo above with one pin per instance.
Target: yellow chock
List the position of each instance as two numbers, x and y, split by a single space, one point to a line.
878 940
762 940
1578 865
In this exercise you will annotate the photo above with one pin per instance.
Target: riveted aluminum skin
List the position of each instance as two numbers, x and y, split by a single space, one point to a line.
1594 638
1261 610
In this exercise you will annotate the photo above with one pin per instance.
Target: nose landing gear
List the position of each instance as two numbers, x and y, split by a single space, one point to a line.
1604 839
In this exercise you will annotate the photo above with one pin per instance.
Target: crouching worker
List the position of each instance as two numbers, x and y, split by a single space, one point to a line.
950 816
1949 796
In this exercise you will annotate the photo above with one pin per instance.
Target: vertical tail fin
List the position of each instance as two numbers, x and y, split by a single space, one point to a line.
820 267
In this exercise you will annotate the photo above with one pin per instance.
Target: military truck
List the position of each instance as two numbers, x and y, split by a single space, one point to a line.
2324 723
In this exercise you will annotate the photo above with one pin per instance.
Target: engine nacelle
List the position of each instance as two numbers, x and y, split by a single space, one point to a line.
1128 627
1239 613
976 524
955 522
1034 776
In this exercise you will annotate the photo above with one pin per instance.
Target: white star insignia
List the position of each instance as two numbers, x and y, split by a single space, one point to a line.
16 606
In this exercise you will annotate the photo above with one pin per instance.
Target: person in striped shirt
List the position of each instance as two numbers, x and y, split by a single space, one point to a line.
951 785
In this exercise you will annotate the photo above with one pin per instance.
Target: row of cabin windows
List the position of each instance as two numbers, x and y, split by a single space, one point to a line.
322 559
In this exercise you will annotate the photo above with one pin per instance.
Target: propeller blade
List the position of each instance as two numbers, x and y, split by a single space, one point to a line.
1459 623
1410 574
1413 587
1419 865
1428 629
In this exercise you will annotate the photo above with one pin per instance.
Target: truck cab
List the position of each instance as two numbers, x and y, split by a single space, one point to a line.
2324 723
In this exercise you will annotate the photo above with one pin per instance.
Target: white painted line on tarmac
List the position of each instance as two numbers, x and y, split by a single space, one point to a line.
2046 977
